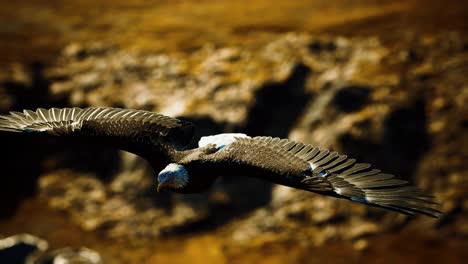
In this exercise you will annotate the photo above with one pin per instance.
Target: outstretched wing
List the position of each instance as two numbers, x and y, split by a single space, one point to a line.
306 167
141 132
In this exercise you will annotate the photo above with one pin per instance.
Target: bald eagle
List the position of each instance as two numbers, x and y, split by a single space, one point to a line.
163 142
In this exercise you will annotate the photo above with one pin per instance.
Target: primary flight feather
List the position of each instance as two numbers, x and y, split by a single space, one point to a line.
163 141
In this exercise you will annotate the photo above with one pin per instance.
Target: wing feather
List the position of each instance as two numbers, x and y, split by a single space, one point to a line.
321 155
311 154
137 131
307 167
334 164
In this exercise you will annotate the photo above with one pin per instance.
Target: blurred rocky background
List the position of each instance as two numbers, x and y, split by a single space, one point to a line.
383 81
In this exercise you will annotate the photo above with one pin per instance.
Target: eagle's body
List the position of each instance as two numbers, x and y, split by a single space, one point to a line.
162 141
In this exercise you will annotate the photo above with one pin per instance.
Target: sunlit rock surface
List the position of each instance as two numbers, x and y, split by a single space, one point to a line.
401 107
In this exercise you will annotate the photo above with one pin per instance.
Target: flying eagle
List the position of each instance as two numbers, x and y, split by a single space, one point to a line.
163 142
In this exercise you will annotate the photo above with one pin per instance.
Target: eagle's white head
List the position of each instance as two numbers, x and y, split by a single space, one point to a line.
174 176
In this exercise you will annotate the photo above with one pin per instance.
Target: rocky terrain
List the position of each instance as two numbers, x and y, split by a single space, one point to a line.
401 108
398 105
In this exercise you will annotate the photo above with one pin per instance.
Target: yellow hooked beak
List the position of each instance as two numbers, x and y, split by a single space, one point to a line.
161 186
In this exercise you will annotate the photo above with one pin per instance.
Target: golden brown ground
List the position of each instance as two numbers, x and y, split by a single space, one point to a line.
34 29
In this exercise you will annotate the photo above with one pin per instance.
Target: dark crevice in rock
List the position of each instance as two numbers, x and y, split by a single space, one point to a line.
30 155
84 157
17 253
22 166
33 94
406 137
318 46
351 98
279 105
404 141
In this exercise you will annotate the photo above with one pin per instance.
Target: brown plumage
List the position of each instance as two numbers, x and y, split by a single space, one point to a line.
162 141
